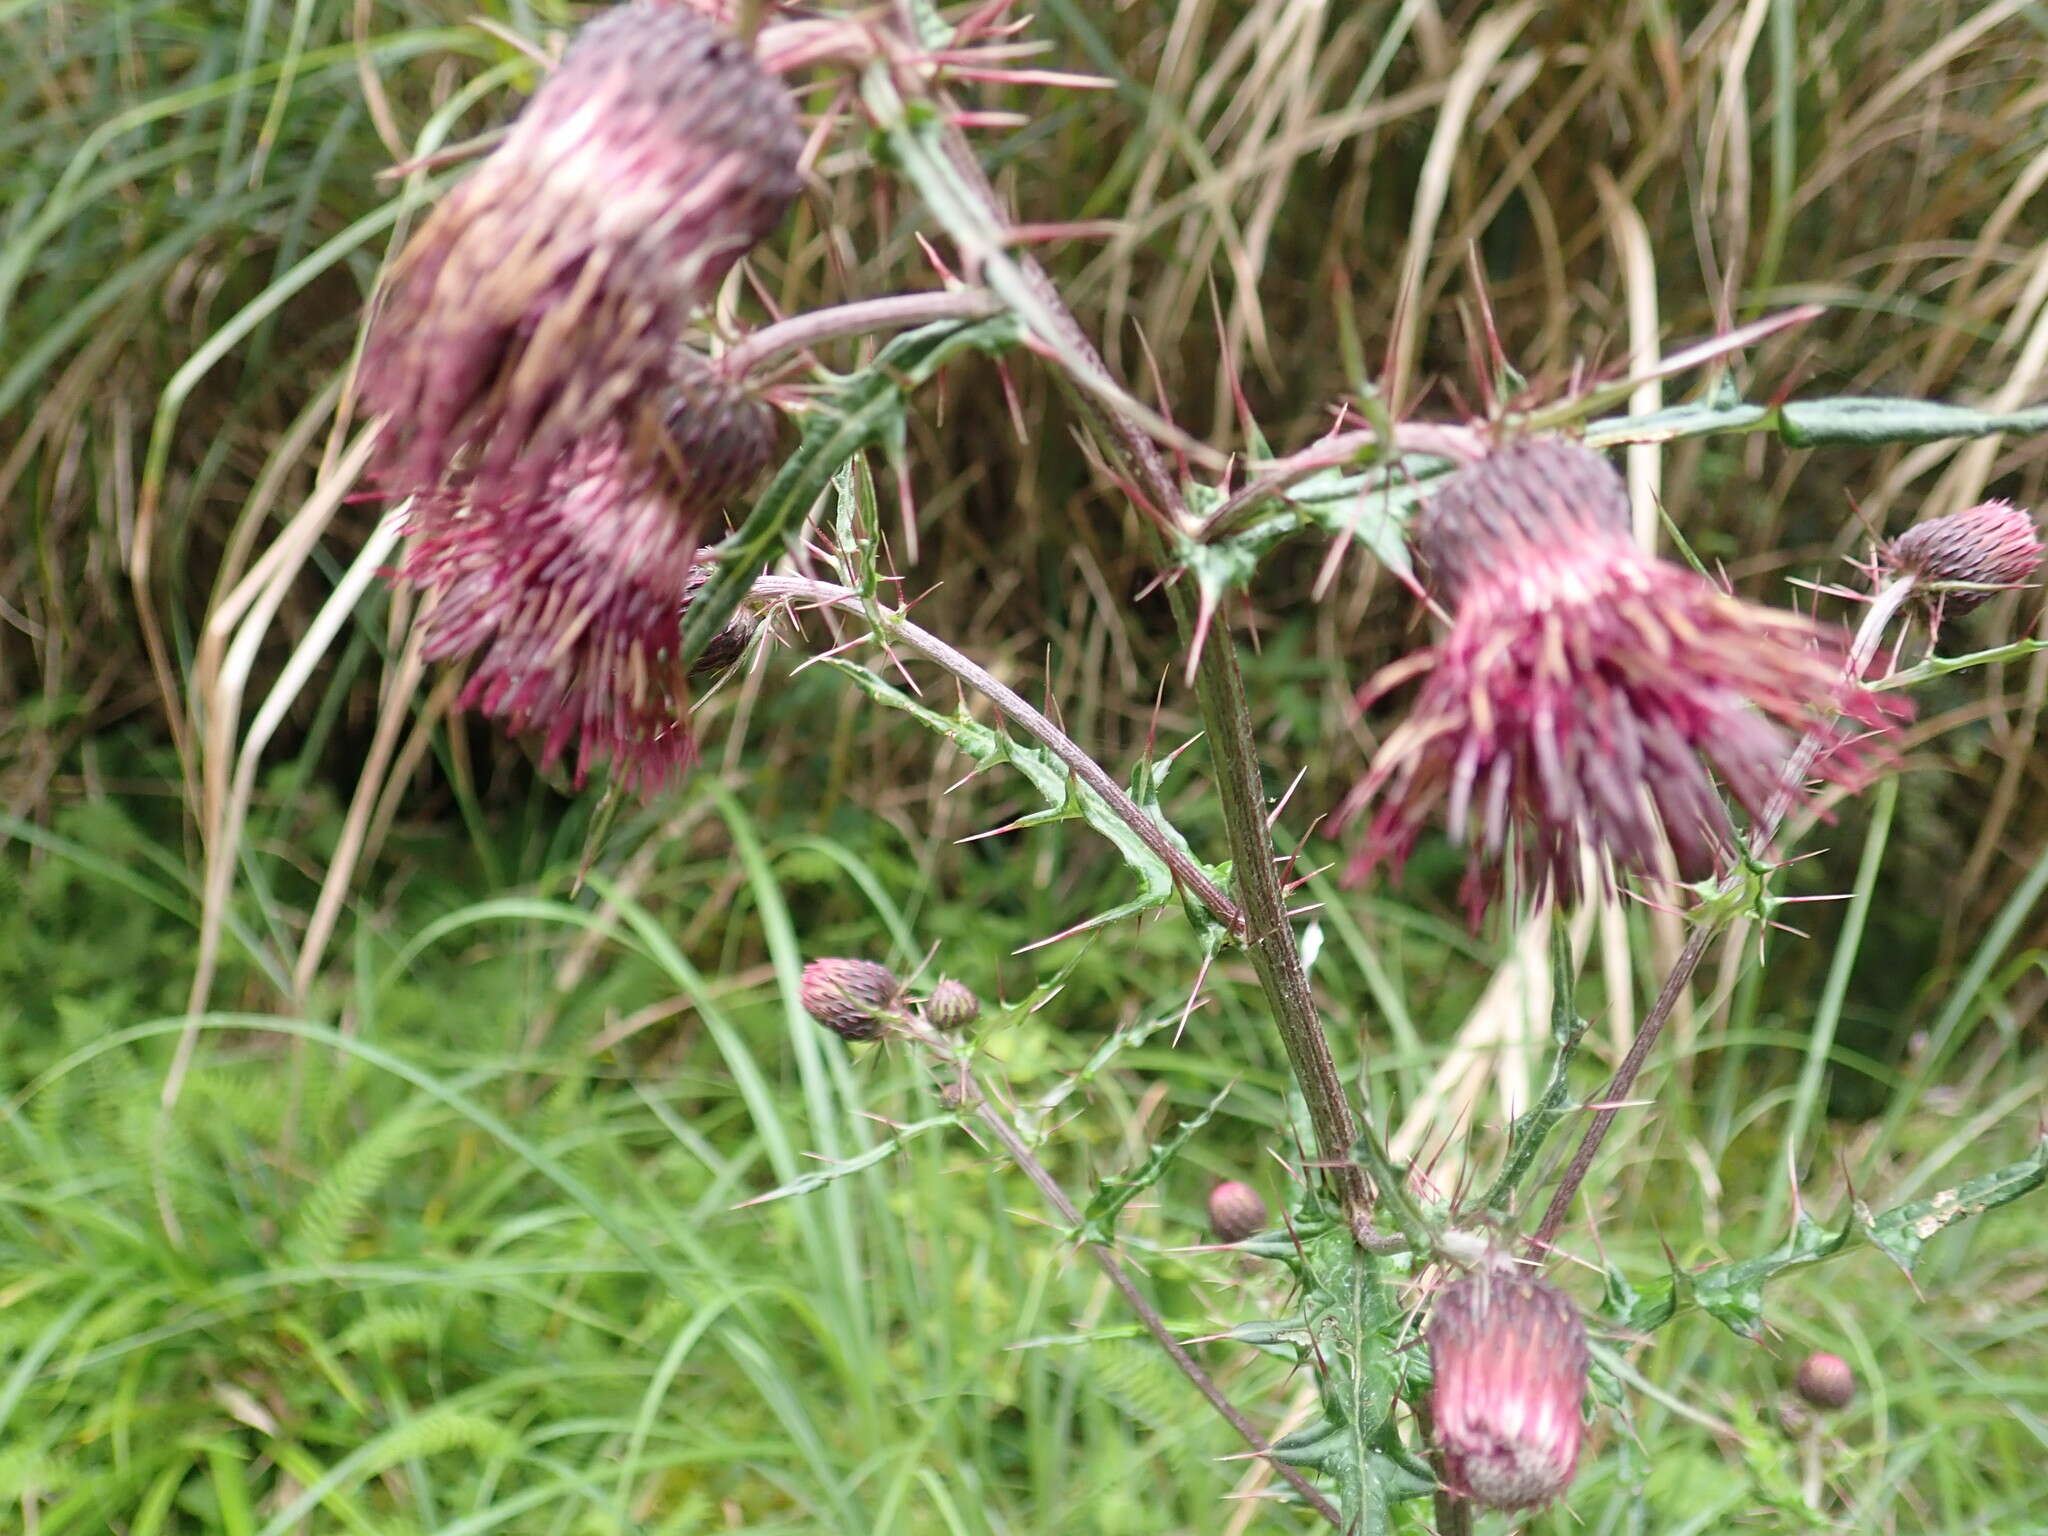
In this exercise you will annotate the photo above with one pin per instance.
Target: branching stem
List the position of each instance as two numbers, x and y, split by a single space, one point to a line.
773 344
895 626
1884 607
971 1096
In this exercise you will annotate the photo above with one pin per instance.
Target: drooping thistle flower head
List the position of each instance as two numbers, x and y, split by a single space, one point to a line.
568 599
1235 1212
1964 559
855 999
539 302
1587 696
952 1005
1508 1354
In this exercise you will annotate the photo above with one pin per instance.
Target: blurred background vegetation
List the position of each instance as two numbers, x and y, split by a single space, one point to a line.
441 1234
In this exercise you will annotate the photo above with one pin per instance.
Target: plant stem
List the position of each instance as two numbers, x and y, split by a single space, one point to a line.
1106 1258
771 344
941 165
1884 607
1091 773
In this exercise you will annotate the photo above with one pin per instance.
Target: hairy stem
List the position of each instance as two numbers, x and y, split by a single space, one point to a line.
939 162
895 626
972 1096
1884 607
773 344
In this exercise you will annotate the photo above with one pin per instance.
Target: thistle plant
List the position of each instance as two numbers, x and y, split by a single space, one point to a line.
1591 720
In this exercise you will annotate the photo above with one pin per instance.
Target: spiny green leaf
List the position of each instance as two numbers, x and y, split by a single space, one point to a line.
881 1152
860 411
1098 1222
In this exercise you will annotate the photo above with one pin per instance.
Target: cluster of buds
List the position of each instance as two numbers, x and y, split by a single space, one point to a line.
1508 1356
860 999
565 452
1585 690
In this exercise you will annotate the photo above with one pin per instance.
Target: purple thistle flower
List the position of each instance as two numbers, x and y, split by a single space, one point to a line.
1508 1354
538 304
569 599
1962 559
1585 689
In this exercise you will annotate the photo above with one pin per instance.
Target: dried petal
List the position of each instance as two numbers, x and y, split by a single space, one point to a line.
1508 1353
539 302
1585 689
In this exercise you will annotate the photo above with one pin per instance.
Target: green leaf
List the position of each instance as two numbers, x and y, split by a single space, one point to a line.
1733 1292
859 411
1098 1222
1066 799
1902 1232
881 1152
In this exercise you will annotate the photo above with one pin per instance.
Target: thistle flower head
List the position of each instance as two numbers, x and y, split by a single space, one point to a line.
1961 560
1587 695
1508 1353
568 600
952 1005
852 998
539 301
1235 1212
1826 1381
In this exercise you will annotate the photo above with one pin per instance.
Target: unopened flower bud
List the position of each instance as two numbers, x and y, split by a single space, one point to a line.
1988 547
1509 1356
852 998
1826 1381
1235 1211
951 1006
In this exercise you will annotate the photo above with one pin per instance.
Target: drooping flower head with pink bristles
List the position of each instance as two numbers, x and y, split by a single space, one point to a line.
1587 696
568 600
538 304
1508 1354
1966 558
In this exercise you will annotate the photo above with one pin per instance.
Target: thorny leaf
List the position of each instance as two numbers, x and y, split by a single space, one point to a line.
1862 421
881 1152
1733 1292
1066 798
1349 1334
1098 1222
1533 1127
1370 508
859 410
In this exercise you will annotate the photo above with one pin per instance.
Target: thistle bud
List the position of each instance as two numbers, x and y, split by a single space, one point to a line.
1989 547
541 298
951 1006
1509 1356
1235 1212
852 998
1826 1381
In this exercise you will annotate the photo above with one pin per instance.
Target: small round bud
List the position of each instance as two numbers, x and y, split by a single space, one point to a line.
1509 1356
852 998
1826 1381
951 1006
1990 546
1235 1211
